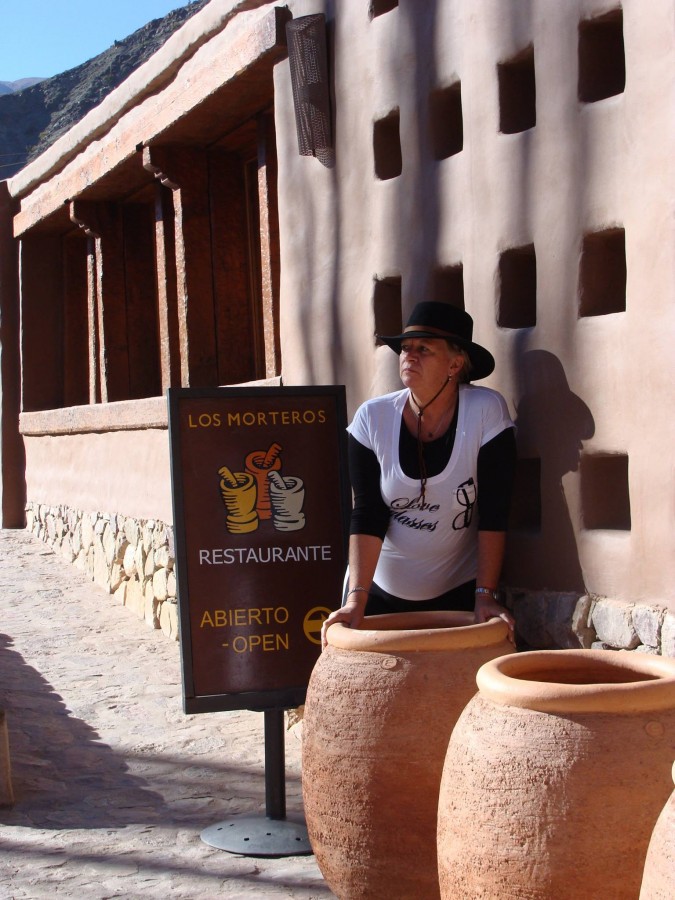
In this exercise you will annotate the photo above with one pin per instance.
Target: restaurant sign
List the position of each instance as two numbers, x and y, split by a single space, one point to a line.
261 506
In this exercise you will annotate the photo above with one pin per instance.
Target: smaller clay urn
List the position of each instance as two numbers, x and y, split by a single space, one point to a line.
555 775
658 880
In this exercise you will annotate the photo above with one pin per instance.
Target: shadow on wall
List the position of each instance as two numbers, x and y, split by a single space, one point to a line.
552 424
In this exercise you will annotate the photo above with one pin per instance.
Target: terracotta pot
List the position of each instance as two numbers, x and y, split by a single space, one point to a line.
658 881
555 775
381 703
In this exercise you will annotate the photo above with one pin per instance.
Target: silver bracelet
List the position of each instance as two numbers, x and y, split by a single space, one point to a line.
488 591
356 590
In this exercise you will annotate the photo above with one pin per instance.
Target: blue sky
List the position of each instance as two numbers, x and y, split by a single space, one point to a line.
41 38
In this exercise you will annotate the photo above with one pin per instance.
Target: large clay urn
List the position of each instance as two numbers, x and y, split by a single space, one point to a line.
555 775
658 881
381 704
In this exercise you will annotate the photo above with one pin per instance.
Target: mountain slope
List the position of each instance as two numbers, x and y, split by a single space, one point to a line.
33 118
8 87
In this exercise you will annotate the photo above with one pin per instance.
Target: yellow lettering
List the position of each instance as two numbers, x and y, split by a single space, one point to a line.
205 420
265 615
262 418
239 644
272 642
267 643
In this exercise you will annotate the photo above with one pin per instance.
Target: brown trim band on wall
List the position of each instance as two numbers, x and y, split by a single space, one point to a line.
125 415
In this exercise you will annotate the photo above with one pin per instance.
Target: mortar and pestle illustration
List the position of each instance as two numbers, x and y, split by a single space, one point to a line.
287 496
259 465
238 490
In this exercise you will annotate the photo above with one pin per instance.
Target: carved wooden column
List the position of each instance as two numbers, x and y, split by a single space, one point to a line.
185 171
103 222
167 309
269 242
92 323
12 459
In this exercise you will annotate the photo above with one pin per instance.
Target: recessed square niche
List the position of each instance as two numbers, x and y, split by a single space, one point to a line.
379 7
446 122
517 93
387 305
448 285
518 288
387 146
605 497
602 58
525 513
602 274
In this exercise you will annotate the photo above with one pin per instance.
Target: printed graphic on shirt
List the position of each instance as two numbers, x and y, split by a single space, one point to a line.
418 514
410 513
466 497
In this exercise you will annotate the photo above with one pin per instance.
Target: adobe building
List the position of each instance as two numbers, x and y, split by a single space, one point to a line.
206 225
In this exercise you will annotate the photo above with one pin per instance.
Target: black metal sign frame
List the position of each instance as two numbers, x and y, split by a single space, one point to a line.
261 504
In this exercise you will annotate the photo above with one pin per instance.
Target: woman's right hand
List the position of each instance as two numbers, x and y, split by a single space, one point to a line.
351 615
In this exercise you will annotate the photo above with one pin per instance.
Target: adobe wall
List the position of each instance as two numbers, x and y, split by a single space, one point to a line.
68 469
588 378
113 458
522 221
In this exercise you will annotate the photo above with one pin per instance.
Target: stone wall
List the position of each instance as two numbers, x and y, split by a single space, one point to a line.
546 620
134 561
131 559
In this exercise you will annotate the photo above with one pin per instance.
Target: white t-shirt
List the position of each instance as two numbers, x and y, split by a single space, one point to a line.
431 548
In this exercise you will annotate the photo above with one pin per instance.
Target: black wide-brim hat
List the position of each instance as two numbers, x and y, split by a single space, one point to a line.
440 320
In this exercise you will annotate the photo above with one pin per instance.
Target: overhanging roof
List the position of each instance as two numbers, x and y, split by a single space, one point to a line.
210 76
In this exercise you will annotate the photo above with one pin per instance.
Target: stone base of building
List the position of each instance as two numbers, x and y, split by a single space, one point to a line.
546 620
130 559
134 561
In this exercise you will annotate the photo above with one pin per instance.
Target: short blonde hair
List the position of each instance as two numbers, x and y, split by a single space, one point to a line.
465 371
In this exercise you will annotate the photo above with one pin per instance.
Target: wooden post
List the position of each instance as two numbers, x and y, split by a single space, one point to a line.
6 792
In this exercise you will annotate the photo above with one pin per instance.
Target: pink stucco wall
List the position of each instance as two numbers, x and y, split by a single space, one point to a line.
578 386
581 388
118 471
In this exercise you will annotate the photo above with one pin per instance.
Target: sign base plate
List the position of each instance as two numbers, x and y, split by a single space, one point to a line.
258 836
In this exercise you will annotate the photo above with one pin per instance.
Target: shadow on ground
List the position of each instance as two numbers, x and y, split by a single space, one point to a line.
65 777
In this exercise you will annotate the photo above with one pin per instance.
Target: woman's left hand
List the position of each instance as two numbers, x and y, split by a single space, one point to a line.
487 608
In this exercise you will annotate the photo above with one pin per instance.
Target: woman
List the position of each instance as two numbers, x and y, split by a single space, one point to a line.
431 469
